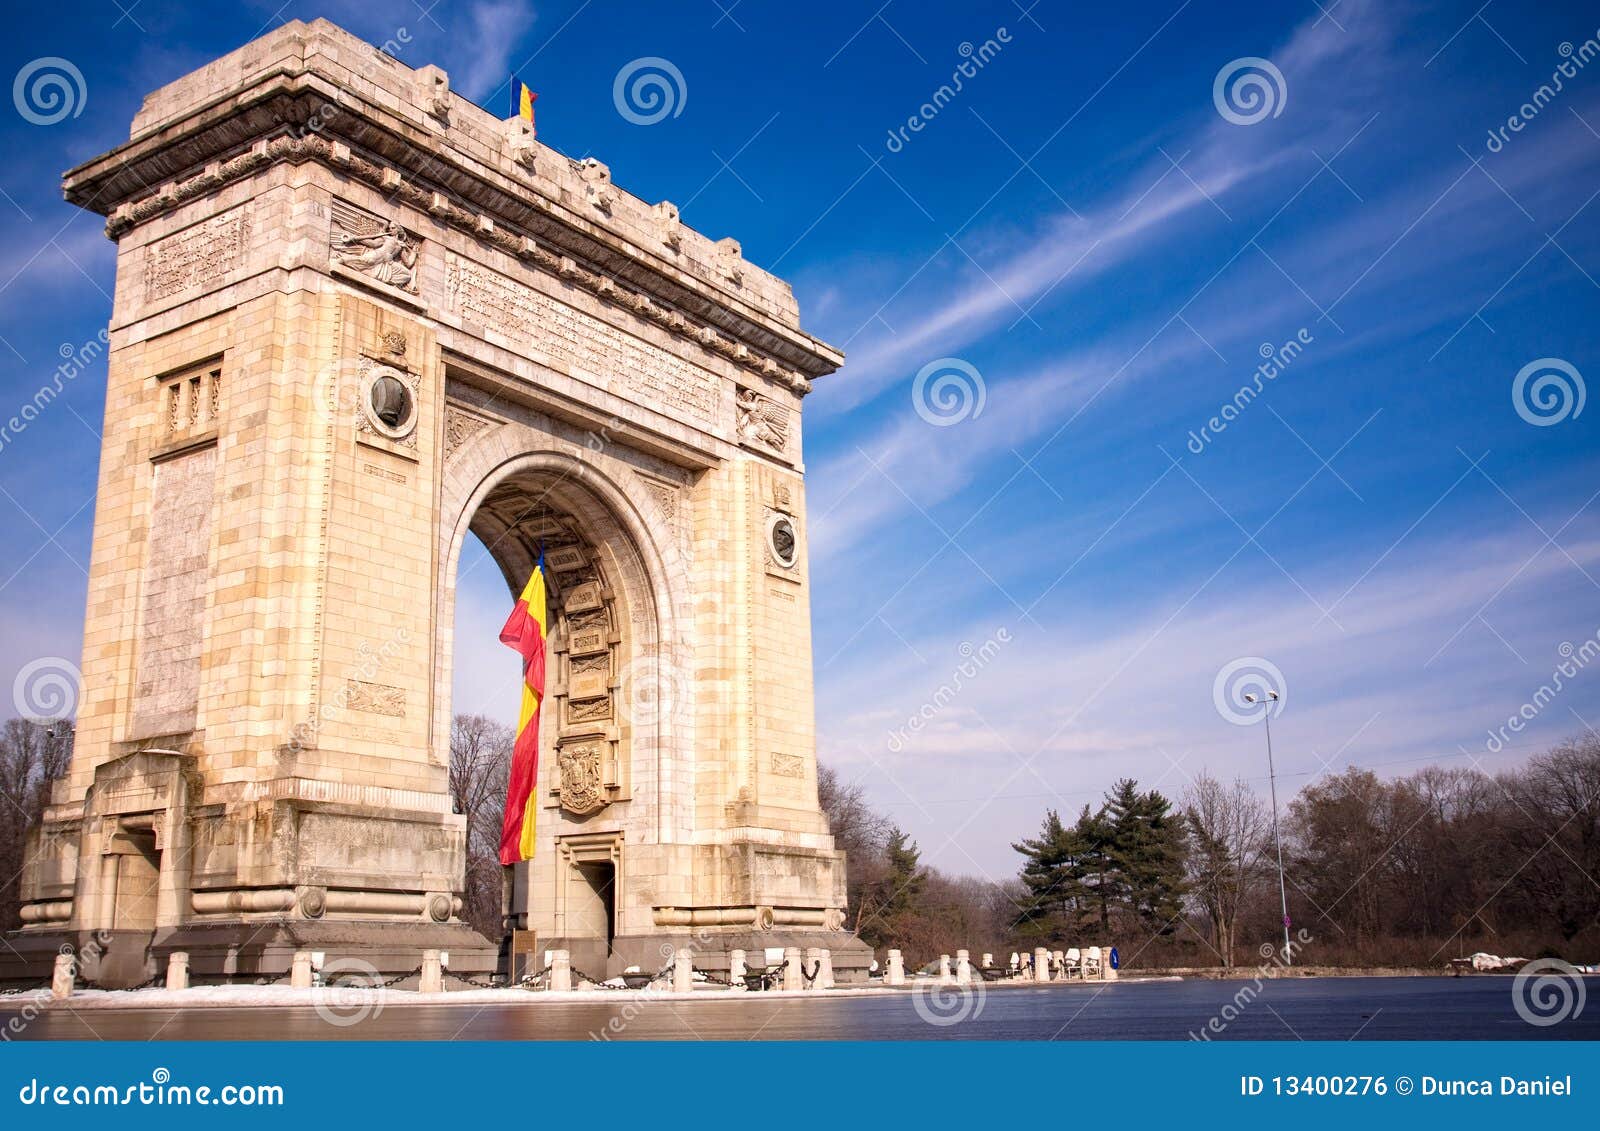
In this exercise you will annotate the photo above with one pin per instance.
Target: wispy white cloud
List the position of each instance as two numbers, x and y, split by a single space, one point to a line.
497 28
1068 251
1100 693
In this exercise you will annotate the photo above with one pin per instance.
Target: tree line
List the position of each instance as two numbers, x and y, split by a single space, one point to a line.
1404 871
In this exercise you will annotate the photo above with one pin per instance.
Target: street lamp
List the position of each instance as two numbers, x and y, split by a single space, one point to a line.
1277 841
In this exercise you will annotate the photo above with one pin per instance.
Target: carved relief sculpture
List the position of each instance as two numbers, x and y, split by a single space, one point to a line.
581 791
762 421
382 251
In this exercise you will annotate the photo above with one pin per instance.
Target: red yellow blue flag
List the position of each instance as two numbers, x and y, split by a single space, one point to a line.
525 631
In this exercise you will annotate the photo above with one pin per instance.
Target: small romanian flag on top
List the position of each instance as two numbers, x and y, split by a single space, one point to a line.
522 100
525 631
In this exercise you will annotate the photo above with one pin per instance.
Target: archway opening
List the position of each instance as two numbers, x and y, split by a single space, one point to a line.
584 735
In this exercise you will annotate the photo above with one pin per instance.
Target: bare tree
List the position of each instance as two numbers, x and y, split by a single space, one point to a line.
1230 831
33 754
480 763
860 831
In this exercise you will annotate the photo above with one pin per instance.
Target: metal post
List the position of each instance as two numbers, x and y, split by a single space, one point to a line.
1283 892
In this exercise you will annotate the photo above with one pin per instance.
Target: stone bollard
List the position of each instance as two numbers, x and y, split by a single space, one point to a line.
813 962
560 971
791 973
63 977
300 970
178 970
825 976
945 977
432 980
963 968
1041 964
736 967
682 970
897 969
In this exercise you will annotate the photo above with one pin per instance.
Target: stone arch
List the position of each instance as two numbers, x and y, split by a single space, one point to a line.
616 528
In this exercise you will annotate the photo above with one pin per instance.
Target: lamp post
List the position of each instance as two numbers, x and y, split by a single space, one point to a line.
1277 841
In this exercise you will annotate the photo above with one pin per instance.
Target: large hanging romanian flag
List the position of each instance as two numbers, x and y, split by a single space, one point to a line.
525 631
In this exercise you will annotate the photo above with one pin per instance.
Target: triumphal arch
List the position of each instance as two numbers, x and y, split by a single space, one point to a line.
356 318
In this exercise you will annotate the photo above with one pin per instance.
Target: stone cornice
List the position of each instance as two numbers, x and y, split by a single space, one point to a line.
238 134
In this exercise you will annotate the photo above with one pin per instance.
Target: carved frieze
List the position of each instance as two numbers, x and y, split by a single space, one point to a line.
390 182
579 341
204 253
375 698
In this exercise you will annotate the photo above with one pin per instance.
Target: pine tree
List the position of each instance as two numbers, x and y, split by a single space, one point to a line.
1147 850
897 895
1049 874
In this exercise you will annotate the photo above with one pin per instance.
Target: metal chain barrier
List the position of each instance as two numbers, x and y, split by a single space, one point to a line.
712 978
90 984
596 982
480 983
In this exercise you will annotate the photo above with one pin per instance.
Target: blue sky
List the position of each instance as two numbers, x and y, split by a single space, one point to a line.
1105 253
